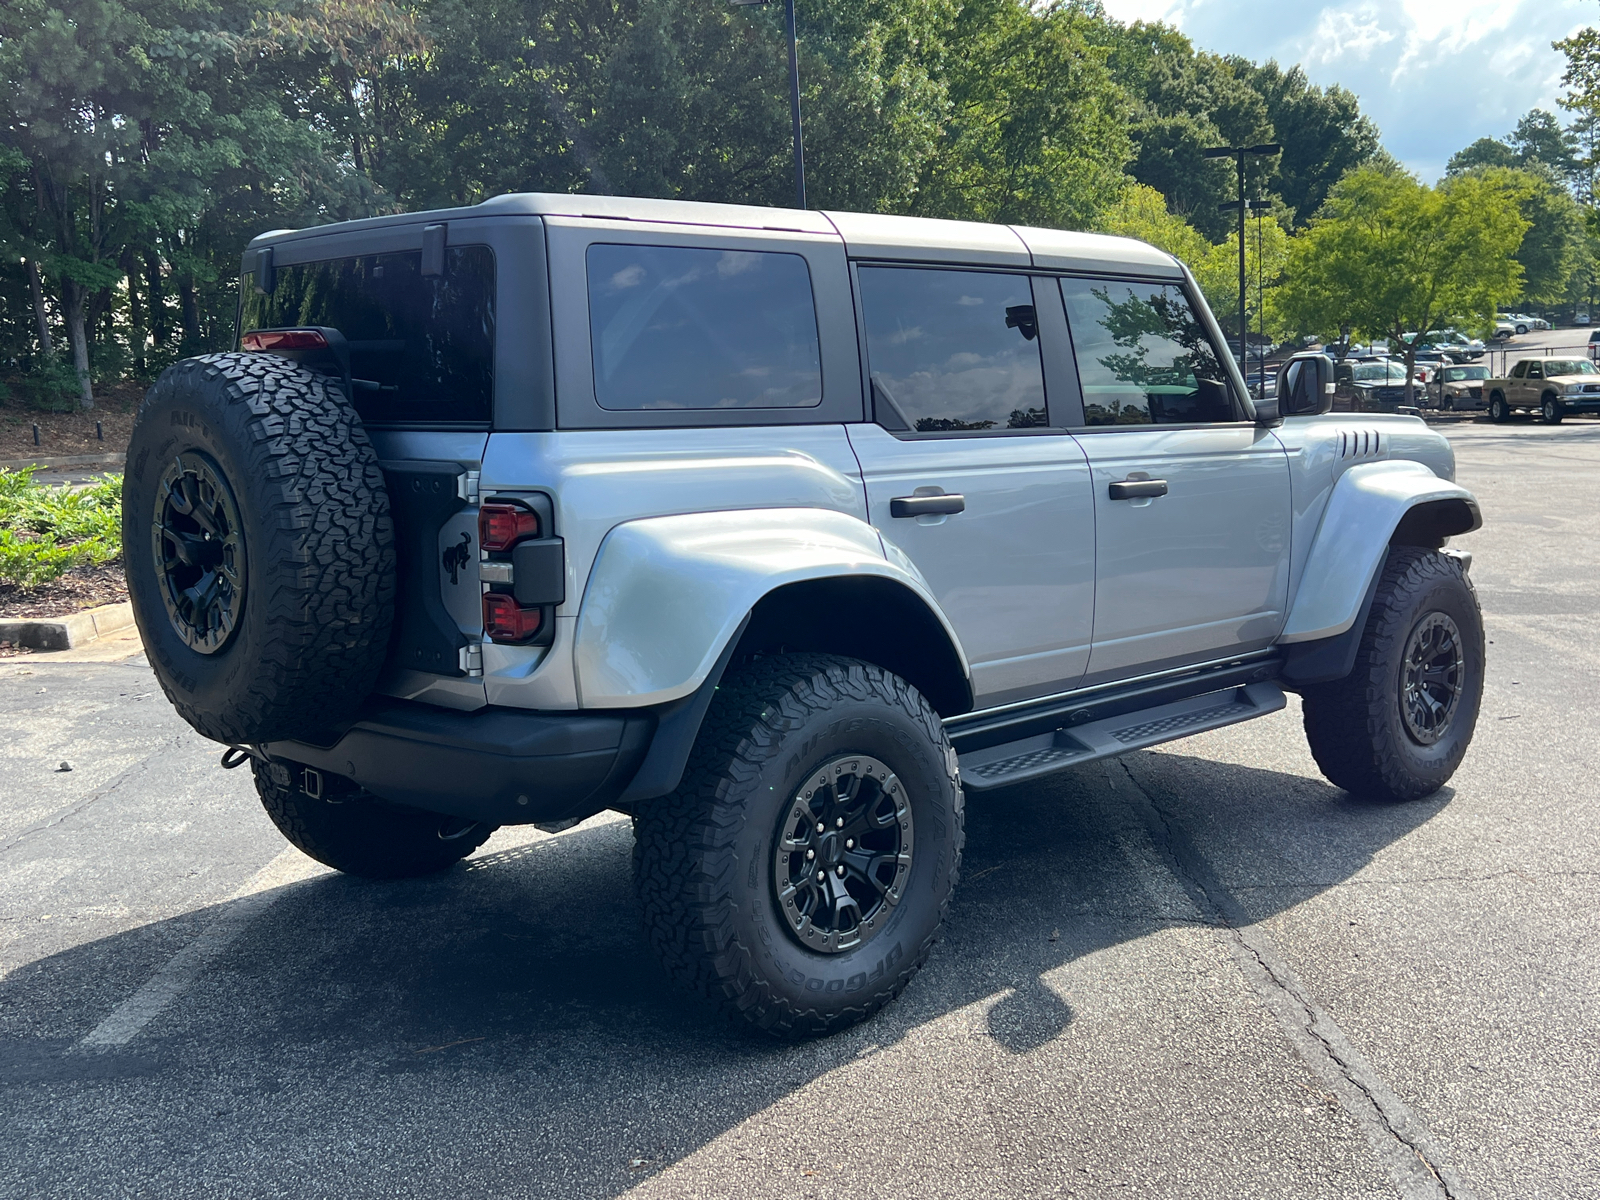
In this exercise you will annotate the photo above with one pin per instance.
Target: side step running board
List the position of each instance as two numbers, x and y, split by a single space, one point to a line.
1029 758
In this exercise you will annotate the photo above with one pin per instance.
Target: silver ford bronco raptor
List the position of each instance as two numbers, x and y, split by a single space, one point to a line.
779 531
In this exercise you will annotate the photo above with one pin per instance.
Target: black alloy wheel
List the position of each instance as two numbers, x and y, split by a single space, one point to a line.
198 542
1432 671
843 854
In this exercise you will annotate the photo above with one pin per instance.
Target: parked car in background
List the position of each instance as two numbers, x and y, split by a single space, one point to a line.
1504 328
1594 344
1552 387
1458 389
1374 385
1581 317
1515 322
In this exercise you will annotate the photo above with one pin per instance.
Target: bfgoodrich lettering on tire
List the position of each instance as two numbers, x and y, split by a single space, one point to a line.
1399 724
799 876
259 547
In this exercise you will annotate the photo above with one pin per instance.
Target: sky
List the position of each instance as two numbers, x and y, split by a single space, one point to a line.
1435 75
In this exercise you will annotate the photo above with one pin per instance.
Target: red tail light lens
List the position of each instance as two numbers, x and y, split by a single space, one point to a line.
284 339
505 621
500 526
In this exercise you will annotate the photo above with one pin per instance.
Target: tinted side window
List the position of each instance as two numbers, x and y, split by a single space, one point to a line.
683 327
421 347
1143 357
952 350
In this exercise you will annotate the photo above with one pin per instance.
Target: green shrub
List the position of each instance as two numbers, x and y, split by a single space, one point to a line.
45 530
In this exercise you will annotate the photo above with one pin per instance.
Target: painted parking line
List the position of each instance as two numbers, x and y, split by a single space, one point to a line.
258 894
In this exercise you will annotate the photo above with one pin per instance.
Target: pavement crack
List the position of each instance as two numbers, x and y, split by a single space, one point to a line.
1395 1133
72 810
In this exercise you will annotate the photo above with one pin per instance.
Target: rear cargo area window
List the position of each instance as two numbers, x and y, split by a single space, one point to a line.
421 347
676 327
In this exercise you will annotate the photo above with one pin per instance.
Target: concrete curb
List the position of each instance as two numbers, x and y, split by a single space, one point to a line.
71 460
68 633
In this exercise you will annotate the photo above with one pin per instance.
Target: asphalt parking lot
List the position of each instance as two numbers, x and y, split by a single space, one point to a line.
1198 971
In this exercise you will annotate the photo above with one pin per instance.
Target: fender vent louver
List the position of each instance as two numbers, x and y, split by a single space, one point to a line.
1360 443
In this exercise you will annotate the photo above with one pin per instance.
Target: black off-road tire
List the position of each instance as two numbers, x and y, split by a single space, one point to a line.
704 856
353 831
317 599
1357 730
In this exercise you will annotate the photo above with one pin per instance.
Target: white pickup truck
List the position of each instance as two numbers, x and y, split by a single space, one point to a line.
1552 387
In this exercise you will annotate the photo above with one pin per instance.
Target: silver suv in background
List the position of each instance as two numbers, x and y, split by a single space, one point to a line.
781 531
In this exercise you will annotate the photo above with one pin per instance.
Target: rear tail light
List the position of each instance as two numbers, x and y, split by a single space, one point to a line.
284 339
506 621
500 526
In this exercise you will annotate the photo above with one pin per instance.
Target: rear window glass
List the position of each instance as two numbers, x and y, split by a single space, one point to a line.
952 351
677 327
1143 356
421 347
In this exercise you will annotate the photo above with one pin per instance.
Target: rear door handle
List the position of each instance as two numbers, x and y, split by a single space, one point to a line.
1136 489
927 506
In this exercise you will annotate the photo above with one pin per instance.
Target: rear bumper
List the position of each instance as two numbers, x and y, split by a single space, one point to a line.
497 765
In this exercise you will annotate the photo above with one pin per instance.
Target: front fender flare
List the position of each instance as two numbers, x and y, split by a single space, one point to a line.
1368 503
666 595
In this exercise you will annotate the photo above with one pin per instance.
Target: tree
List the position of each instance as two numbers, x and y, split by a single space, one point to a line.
1390 256
1485 152
1142 213
1323 132
1036 132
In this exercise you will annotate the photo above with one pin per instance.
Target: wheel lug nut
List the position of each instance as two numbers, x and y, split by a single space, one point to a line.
839 824
839 871
849 843
821 875
810 854
821 826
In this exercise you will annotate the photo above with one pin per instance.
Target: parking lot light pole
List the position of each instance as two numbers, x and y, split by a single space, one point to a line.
794 96
1240 153
1257 207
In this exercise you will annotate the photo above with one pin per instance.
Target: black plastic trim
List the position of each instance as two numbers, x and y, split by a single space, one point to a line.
1327 659
499 765
975 731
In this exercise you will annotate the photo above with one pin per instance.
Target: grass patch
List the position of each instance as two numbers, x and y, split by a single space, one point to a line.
46 530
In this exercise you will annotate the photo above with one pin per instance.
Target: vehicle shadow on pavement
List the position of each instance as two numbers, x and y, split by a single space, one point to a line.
364 1036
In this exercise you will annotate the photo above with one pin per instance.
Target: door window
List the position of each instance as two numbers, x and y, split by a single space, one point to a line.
1519 370
1535 371
1143 356
690 327
952 351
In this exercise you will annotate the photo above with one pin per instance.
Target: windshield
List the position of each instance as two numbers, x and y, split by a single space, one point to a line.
1457 374
1568 366
1369 372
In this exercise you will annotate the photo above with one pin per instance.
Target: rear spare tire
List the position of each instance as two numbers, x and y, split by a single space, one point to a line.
259 547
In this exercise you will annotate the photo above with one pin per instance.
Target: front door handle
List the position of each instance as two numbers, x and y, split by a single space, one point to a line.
1137 489
927 506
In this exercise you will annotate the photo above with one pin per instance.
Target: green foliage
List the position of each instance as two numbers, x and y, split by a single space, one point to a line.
1037 132
44 531
1142 213
1390 255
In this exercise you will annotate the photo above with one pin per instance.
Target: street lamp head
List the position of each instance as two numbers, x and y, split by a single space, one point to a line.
1268 148
1219 152
746 3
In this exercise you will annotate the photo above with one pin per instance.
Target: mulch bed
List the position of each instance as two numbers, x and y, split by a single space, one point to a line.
62 434
77 588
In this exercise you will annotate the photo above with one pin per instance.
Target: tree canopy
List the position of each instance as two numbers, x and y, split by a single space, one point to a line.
1390 256
143 142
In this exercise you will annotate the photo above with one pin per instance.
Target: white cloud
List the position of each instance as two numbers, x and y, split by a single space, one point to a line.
1434 74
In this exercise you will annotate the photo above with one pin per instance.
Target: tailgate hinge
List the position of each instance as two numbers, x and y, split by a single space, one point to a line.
471 660
467 486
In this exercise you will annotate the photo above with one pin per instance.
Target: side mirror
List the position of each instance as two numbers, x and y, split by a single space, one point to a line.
1305 386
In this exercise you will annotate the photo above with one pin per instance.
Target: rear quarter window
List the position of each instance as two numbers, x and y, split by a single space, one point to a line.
684 327
421 346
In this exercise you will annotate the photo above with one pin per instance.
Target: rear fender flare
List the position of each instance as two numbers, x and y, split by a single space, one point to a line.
1372 505
667 595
